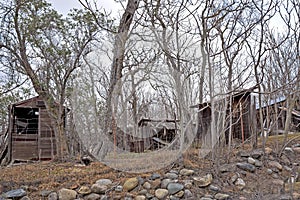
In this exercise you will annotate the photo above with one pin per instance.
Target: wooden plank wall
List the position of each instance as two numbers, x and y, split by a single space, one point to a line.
24 146
47 142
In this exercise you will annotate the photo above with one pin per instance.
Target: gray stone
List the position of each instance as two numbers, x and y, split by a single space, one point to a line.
18 193
240 183
150 196
104 181
174 187
203 181
92 196
221 196
251 160
104 197
140 197
84 190
258 163
214 188
66 194
275 164
171 175
173 171
287 168
269 171
98 189
147 185
172 197
205 198
209 196
186 172
226 168
53 196
161 193
25 198
141 180
296 145
288 149
257 153
143 192
187 194
246 166
285 197
119 188
154 176
165 182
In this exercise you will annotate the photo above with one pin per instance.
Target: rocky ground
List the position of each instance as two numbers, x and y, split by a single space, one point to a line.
244 173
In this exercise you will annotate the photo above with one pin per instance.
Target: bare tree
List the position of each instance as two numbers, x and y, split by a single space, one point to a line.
47 49
283 61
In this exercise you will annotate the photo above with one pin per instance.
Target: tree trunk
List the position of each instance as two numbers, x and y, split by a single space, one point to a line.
117 67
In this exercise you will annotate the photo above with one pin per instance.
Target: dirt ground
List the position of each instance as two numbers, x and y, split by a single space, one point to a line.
50 175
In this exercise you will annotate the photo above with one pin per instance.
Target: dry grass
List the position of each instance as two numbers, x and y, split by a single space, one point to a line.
142 162
280 138
52 176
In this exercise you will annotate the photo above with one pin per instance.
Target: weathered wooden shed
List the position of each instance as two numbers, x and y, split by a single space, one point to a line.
159 132
274 113
150 134
242 112
31 134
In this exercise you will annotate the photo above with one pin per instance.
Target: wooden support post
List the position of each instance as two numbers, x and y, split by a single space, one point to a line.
242 124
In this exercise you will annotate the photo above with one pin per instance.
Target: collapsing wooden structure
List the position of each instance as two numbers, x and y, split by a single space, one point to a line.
160 132
30 135
240 108
150 134
274 113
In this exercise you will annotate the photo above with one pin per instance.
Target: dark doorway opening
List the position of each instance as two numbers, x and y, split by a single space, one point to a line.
26 120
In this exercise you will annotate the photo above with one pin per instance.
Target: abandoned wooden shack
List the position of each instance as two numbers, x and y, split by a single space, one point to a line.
150 134
159 133
274 113
30 135
243 115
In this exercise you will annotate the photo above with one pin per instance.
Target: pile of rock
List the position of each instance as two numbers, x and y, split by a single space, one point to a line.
173 185
231 182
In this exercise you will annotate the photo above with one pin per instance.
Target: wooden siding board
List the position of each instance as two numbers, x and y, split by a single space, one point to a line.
22 150
47 142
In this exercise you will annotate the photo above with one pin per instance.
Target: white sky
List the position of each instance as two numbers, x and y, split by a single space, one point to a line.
63 6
